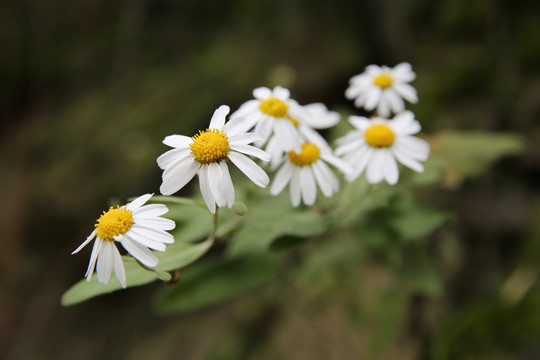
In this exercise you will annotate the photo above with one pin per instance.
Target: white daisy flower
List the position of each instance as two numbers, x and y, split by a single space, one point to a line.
138 228
377 143
304 171
383 88
270 113
308 118
206 154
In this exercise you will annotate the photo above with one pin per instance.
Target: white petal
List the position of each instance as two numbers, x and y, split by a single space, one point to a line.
215 180
177 141
383 109
152 234
252 151
396 103
243 139
403 72
337 162
413 146
408 92
218 119
138 202
205 189
248 167
408 161
138 237
374 70
314 137
404 124
139 252
282 178
155 223
169 157
281 93
118 267
359 122
88 239
322 179
374 168
151 210
373 98
309 189
105 262
362 160
228 186
93 257
390 168
244 110
287 135
262 93
178 176
264 128
350 147
295 188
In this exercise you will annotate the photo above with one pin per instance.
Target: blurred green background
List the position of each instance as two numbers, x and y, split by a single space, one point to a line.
90 88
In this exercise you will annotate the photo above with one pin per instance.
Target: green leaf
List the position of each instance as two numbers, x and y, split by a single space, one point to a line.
84 290
417 222
212 282
181 254
177 256
469 154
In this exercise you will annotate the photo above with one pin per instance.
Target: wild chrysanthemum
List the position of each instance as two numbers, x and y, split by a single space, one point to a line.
308 118
207 154
138 228
271 112
377 143
306 169
383 88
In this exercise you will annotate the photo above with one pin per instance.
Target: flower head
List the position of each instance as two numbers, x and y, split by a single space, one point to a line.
306 169
384 88
138 228
307 119
207 154
271 112
375 144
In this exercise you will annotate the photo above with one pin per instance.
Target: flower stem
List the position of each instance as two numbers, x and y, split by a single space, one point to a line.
213 234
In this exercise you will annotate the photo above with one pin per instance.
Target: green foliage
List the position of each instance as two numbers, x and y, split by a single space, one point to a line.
387 222
214 281
485 329
469 154
271 218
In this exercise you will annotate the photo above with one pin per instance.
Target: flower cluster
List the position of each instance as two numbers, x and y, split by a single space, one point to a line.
278 131
377 142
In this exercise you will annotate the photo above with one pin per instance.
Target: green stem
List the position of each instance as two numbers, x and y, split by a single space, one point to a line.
213 234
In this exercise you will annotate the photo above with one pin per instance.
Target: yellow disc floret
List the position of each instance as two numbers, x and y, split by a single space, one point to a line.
310 153
210 146
113 223
274 107
379 136
383 81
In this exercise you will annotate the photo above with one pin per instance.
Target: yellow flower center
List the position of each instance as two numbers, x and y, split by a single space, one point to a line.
309 154
383 81
274 107
379 135
294 121
210 146
114 222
